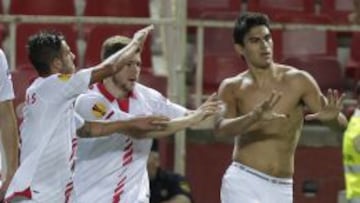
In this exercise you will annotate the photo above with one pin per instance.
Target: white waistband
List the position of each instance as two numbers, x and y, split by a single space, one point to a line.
271 179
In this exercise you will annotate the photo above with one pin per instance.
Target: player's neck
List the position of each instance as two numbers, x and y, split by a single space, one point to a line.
113 89
263 75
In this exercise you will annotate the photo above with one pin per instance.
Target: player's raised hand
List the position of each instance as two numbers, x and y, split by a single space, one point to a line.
265 111
331 109
210 107
119 59
141 35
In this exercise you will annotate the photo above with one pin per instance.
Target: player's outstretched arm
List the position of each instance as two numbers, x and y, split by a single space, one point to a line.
135 127
326 109
330 112
209 108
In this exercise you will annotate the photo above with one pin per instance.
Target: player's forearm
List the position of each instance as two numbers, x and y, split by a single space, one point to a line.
207 123
115 62
175 125
9 136
231 127
101 129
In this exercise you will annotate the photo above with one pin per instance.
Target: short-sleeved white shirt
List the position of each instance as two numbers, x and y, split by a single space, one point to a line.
113 169
6 85
47 133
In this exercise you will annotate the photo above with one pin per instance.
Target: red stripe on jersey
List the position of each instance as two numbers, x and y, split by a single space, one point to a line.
74 142
25 193
69 186
119 190
73 148
116 198
74 145
128 146
122 180
119 187
68 189
118 193
128 154
127 161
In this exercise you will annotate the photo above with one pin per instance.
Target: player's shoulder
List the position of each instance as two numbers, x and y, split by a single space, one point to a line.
143 88
148 92
289 70
91 96
234 81
294 73
92 105
54 81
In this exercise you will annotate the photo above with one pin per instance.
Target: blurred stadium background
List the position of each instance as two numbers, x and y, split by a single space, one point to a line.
189 54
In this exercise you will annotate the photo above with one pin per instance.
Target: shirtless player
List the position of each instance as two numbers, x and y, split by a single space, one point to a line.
264 113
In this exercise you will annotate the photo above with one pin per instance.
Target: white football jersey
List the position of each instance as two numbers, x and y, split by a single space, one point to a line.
113 169
47 138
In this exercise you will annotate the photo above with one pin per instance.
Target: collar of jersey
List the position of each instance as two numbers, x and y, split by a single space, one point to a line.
111 97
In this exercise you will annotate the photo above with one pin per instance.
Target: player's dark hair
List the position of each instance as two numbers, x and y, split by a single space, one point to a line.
245 22
43 48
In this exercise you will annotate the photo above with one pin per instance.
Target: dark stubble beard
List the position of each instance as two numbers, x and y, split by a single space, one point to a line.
120 85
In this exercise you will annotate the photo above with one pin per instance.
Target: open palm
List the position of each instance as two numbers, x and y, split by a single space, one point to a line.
331 109
265 111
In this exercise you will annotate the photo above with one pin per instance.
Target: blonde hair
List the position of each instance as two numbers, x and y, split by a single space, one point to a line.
113 44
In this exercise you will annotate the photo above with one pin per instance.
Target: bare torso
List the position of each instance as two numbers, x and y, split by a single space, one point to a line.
271 147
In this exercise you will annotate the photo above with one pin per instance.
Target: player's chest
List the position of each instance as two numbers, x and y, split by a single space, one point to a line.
131 106
290 98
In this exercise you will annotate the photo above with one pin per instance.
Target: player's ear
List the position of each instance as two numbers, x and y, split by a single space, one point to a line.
239 49
56 64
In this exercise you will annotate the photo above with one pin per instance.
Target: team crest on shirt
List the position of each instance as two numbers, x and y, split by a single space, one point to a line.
99 110
64 77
